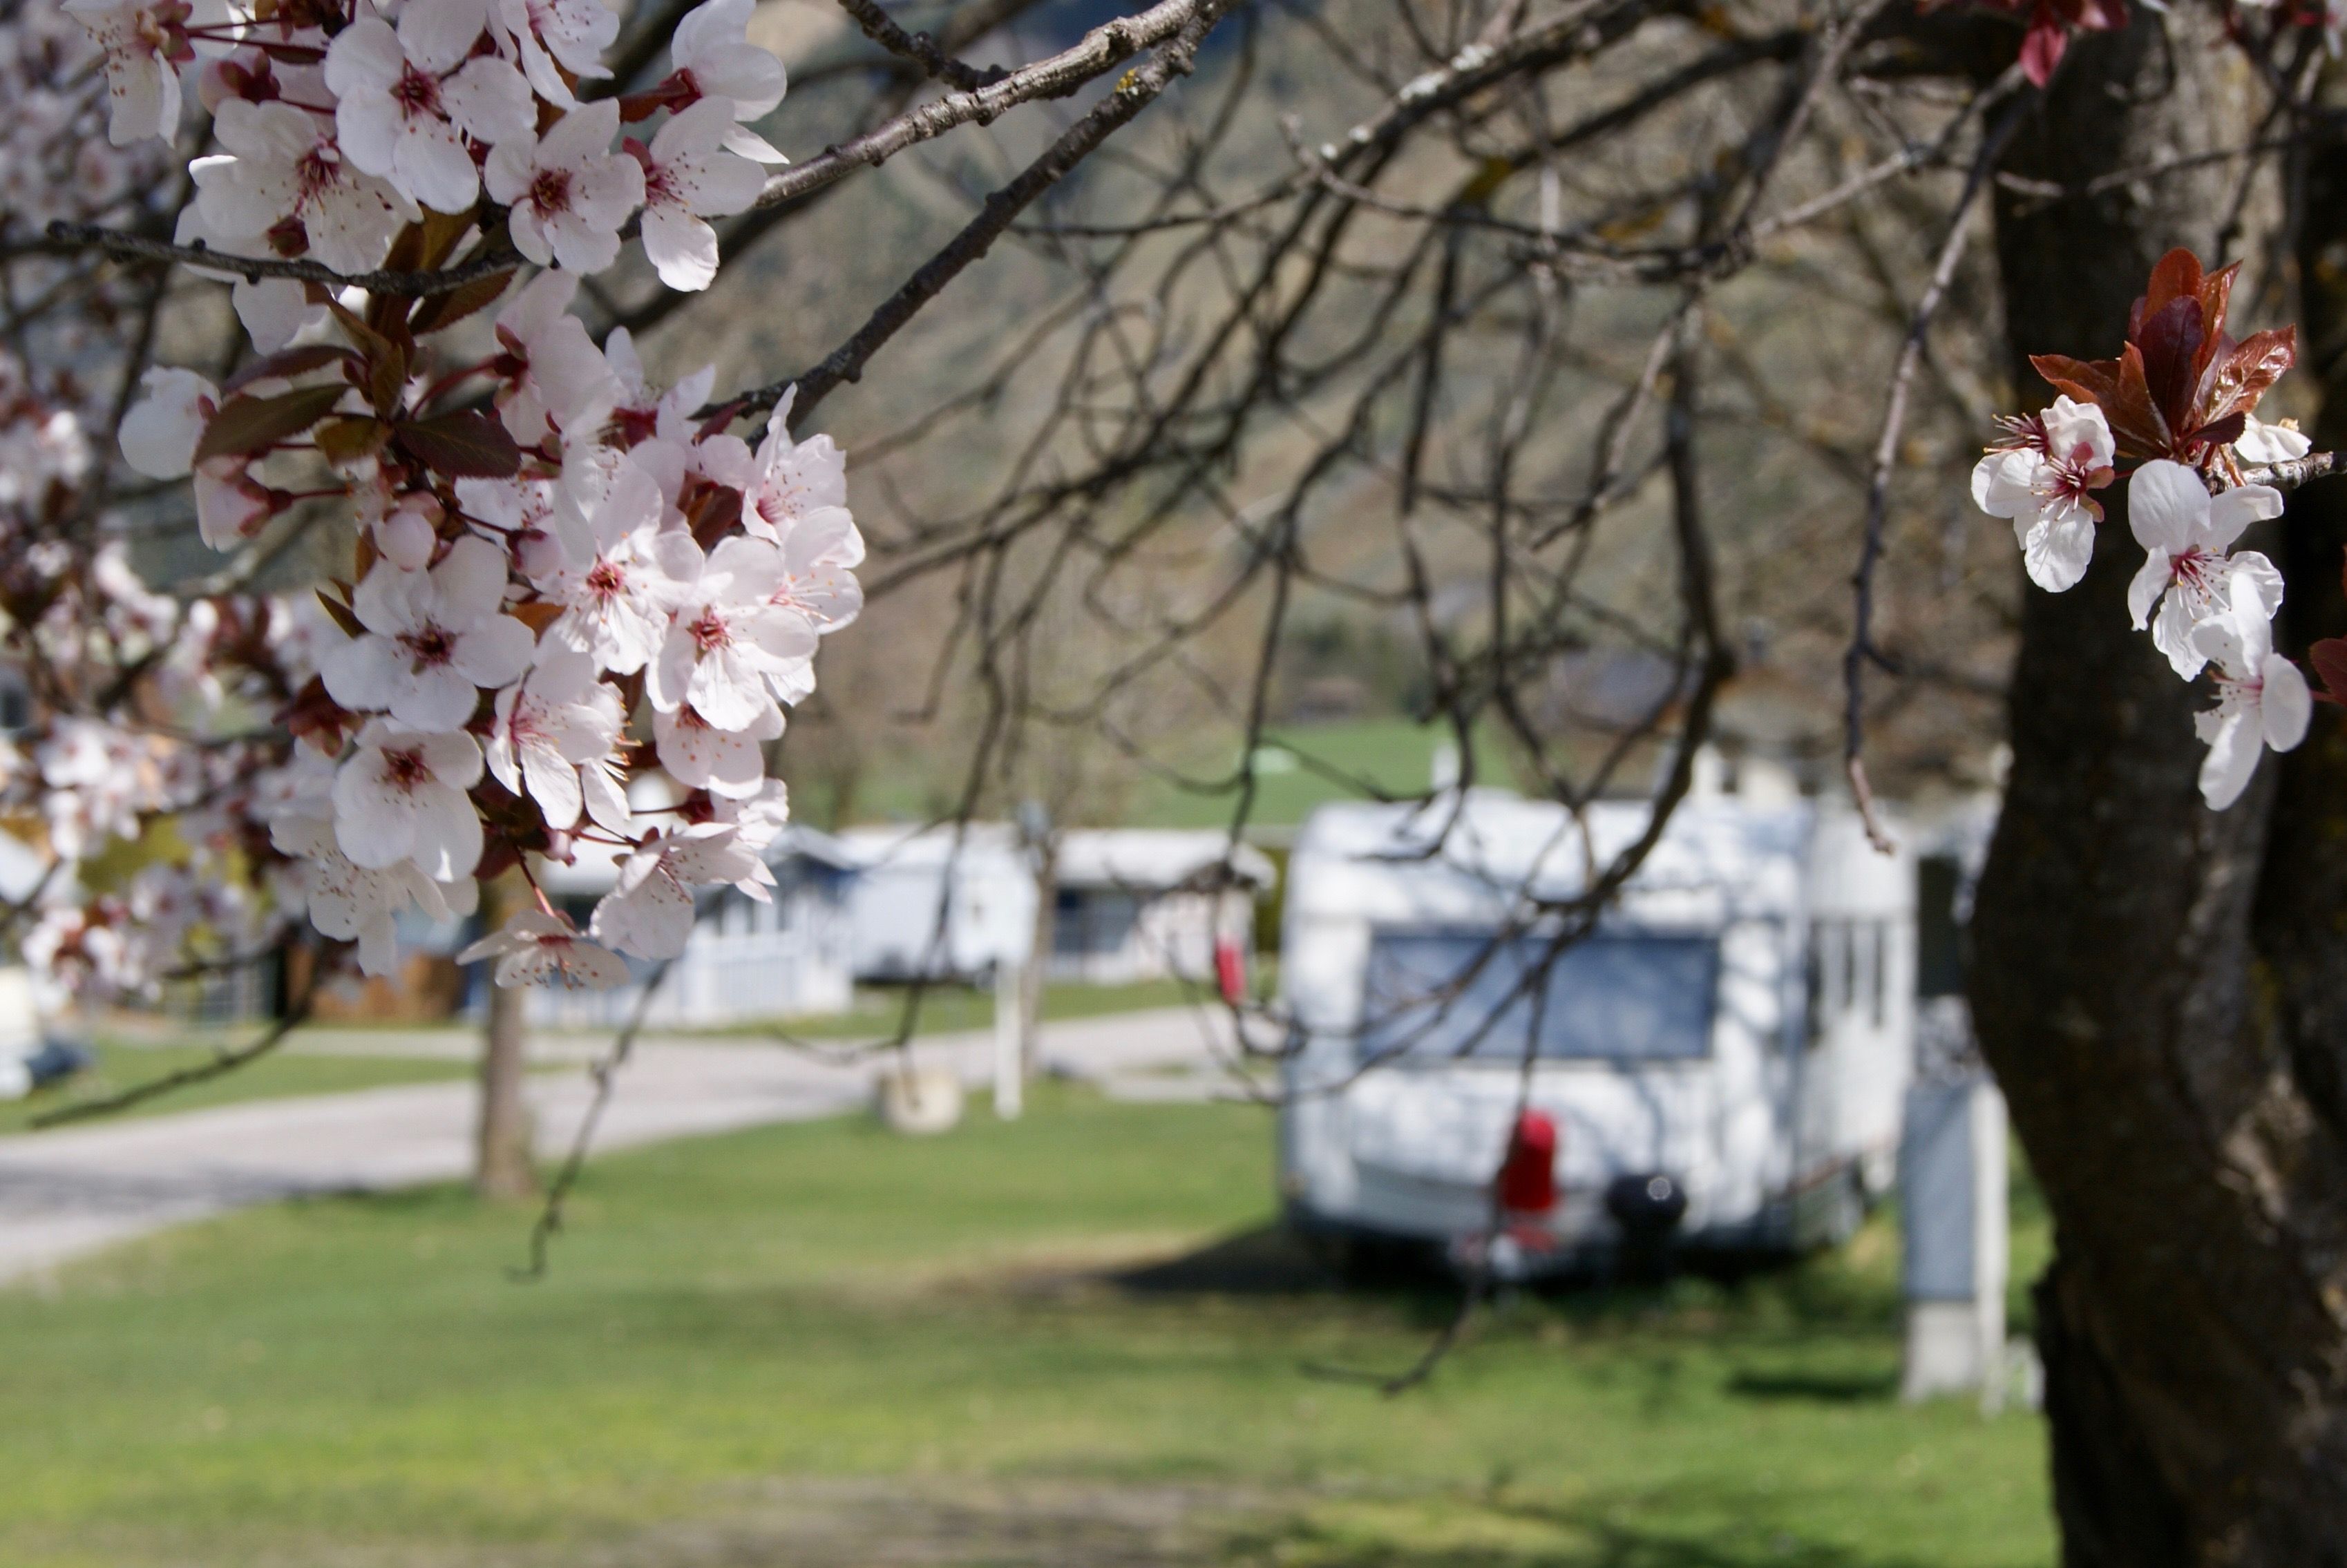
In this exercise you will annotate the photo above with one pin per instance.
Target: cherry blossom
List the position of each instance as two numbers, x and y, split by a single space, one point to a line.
571 33
727 762
790 479
146 42
2187 533
649 912
230 505
2042 481
712 52
408 99
538 946
159 432
568 192
618 592
730 647
549 723
2262 700
354 903
401 796
2261 443
689 177
288 168
433 639
550 376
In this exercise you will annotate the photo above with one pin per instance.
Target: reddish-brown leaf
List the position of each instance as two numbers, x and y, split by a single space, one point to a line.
246 424
2117 386
435 312
344 616
2176 275
350 437
2234 382
465 444
2329 658
2216 299
2171 346
290 362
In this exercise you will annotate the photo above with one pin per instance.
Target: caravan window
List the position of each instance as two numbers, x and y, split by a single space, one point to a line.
1621 997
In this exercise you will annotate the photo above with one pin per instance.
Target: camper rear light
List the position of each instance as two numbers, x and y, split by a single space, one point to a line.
1230 971
1527 1179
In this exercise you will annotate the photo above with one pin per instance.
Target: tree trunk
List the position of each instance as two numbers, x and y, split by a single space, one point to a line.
2191 1323
502 1166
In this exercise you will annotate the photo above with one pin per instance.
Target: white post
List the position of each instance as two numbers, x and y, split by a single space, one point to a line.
1009 1075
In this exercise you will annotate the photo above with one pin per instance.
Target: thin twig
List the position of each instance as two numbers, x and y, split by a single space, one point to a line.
65 236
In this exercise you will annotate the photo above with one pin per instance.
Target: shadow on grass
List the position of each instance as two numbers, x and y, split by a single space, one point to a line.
1816 1388
1596 1542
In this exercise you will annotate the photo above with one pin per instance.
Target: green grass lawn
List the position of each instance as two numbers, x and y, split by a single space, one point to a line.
121 1063
822 1345
948 1009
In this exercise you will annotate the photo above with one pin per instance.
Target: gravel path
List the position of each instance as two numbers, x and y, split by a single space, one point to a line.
75 1190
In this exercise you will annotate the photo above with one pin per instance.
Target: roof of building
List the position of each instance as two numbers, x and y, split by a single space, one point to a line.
1156 859
597 866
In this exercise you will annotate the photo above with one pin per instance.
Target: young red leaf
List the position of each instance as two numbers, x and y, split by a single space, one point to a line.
465 444
290 362
2236 381
2174 276
435 312
246 424
2329 658
2171 345
342 614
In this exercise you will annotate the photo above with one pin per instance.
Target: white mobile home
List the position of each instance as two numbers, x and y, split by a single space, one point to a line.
1143 904
1737 1024
980 879
745 959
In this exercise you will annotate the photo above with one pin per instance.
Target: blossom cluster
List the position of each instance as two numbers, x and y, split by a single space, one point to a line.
2177 404
577 605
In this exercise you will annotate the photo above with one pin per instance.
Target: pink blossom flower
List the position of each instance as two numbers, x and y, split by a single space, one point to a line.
286 167
550 376
617 591
728 648
159 432
230 505
2042 483
433 640
2261 697
401 796
689 177
146 42
712 51
568 192
699 755
2186 533
649 912
408 99
354 903
548 724
537 946
572 33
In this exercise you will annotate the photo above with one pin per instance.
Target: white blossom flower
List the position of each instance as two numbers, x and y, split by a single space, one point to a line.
689 177
573 33
711 50
535 946
568 192
729 648
649 912
789 479
2187 532
2261 443
2261 697
433 639
549 723
2042 484
287 168
401 796
354 903
230 505
272 309
408 99
550 376
723 761
617 594
159 432
146 42
759 818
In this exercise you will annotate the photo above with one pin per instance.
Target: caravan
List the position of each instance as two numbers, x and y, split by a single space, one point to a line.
1725 1052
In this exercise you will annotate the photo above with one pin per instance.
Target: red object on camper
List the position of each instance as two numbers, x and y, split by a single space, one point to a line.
1230 970
1527 1179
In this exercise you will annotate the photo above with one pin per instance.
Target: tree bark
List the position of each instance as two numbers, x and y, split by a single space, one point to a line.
502 1145
2191 1323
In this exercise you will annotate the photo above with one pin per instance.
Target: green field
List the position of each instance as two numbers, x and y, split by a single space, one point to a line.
1064 1340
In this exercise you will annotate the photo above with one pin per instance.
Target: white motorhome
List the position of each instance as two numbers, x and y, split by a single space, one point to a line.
1738 1023
981 880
